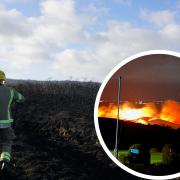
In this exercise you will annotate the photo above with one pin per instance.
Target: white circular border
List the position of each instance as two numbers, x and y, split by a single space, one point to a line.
141 175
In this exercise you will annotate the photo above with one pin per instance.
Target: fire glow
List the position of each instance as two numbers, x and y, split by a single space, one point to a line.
169 111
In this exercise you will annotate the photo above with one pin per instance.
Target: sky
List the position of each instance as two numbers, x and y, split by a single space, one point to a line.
81 39
148 78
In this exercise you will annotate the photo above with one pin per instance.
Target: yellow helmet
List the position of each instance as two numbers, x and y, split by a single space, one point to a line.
2 76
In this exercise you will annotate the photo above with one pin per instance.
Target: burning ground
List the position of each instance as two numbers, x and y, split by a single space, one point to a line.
151 125
165 114
55 135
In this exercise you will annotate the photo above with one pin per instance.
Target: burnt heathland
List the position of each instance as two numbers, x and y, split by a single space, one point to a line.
55 134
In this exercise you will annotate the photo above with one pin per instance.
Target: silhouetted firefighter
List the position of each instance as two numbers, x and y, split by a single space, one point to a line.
8 96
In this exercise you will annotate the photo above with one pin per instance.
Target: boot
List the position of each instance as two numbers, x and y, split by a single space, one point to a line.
4 165
6 170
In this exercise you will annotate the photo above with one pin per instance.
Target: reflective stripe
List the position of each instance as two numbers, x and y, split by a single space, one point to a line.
19 96
9 104
3 126
5 156
6 121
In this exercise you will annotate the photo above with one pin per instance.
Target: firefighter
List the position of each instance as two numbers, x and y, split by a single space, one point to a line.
8 96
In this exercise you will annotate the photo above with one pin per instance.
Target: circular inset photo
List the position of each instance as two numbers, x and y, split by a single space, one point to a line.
137 114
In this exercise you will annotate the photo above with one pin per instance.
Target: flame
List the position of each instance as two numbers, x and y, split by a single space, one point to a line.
169 111
142 121
130 114
127 111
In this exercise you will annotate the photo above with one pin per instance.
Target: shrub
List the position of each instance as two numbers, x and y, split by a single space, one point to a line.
170 154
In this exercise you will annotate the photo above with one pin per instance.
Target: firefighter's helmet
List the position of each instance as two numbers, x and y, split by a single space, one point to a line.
2 76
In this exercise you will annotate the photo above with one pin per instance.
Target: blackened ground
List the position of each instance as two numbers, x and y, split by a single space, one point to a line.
55 133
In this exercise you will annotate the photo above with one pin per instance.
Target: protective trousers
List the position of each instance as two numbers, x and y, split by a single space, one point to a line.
6 140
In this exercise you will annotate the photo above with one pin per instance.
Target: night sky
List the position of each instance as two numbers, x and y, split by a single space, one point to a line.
148 78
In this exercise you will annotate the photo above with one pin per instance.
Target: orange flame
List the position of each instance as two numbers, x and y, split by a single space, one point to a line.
169 111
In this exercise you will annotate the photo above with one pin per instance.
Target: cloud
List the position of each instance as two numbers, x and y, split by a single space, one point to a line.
26 41
79 65
118 42
158 18
170 32
59 40
13 23
63 9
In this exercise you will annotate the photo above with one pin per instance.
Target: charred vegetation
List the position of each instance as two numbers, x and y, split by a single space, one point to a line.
55 134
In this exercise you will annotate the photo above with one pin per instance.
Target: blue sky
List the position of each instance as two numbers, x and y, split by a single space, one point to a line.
81 39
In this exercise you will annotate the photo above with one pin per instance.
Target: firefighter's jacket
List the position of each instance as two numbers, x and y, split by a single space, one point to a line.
7 97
